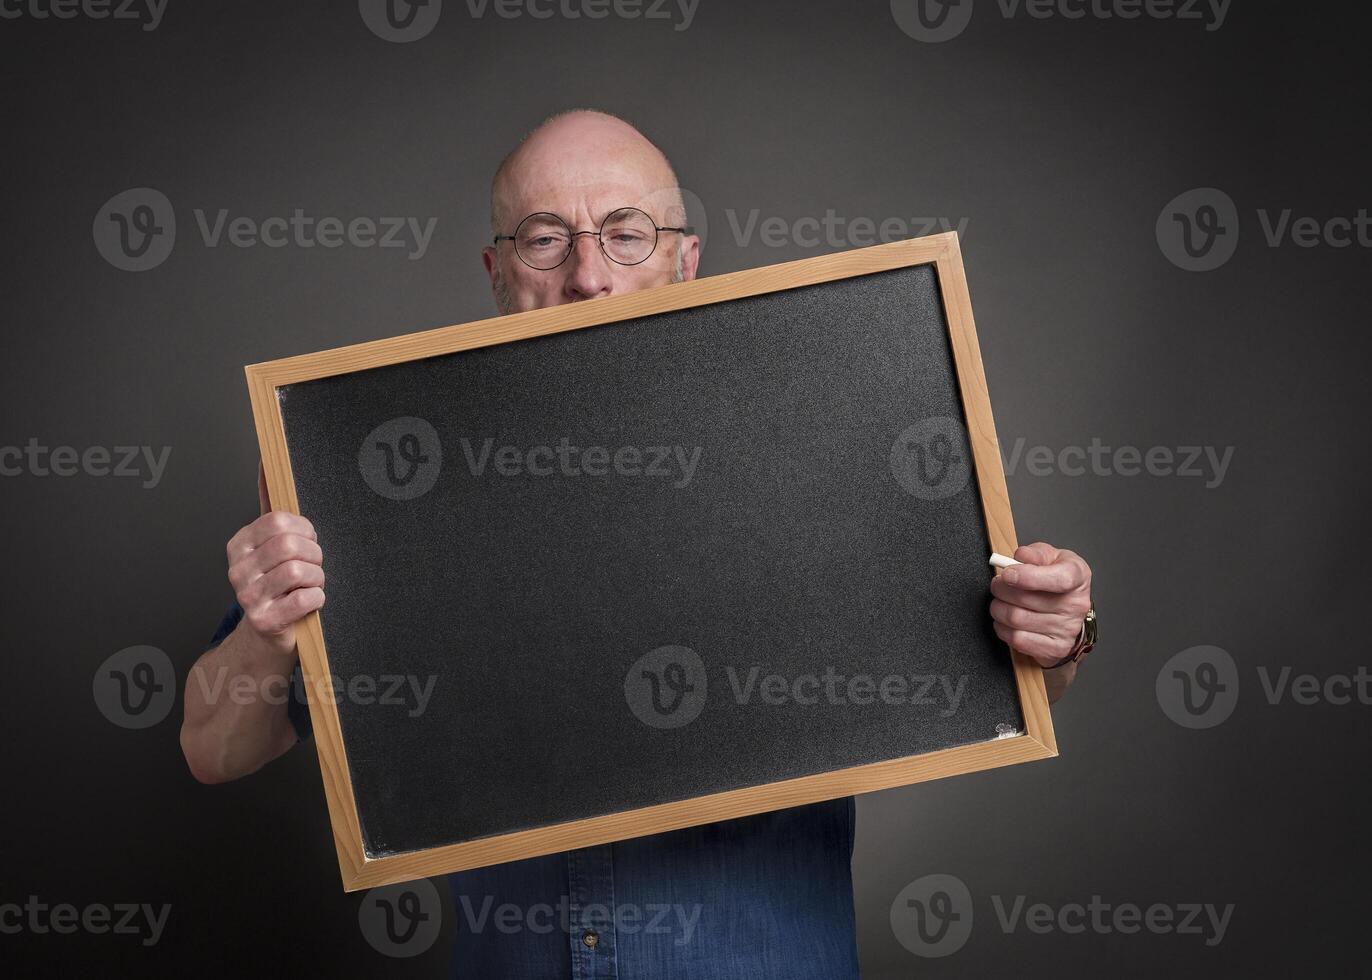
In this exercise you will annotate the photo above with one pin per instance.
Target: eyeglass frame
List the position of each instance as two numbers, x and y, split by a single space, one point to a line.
600 242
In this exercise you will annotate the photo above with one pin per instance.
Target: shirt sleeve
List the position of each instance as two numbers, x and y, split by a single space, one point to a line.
297 707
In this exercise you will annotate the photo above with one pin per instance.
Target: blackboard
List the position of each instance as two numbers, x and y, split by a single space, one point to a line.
651 561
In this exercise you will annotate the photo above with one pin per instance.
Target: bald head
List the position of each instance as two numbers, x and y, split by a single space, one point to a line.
584 166
583 148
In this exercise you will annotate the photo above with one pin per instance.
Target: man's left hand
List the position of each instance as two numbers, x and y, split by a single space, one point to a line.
1040 604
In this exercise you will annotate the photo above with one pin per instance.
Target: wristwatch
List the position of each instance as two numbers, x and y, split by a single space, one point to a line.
1085 641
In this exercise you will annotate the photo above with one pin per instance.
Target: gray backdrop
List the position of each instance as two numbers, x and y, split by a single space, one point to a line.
1064 147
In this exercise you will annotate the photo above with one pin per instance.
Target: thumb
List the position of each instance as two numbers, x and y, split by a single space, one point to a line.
1038 553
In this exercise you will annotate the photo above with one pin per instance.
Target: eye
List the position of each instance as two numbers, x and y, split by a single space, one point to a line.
545 242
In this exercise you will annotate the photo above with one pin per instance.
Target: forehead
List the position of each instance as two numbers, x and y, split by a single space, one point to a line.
584 178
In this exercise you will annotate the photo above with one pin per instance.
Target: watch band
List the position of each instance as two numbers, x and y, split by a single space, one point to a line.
1085 641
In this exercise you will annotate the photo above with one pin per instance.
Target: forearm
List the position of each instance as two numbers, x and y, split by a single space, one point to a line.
236 720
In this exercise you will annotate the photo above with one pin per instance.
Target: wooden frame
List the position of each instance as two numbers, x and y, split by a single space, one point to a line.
1037 741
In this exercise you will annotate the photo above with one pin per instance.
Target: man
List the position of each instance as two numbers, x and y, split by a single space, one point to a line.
766 896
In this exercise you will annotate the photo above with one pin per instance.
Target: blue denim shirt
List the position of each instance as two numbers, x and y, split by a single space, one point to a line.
769 896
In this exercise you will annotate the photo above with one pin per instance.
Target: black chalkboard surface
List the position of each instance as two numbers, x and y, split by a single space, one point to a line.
658 561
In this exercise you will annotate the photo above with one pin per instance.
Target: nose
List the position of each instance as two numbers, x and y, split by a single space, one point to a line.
588 271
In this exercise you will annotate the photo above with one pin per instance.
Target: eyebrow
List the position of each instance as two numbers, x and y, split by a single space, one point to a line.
597 221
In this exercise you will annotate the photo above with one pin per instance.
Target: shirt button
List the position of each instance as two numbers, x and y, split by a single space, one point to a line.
591 938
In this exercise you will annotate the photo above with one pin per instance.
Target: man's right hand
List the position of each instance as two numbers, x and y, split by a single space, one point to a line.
276 569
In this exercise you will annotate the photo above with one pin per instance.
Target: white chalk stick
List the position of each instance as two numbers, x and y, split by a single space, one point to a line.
1000 561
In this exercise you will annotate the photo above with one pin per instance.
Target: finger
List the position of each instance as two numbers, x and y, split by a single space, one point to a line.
1073 604
1029 599
292 607
1064 575
282 548
265 527
1045 650
1053 625
282 579
275 617
285 547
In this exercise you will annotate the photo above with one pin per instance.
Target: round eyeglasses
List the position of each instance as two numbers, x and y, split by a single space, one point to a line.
627 236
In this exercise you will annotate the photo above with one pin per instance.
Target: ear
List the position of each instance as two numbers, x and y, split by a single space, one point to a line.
690 256
488 257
